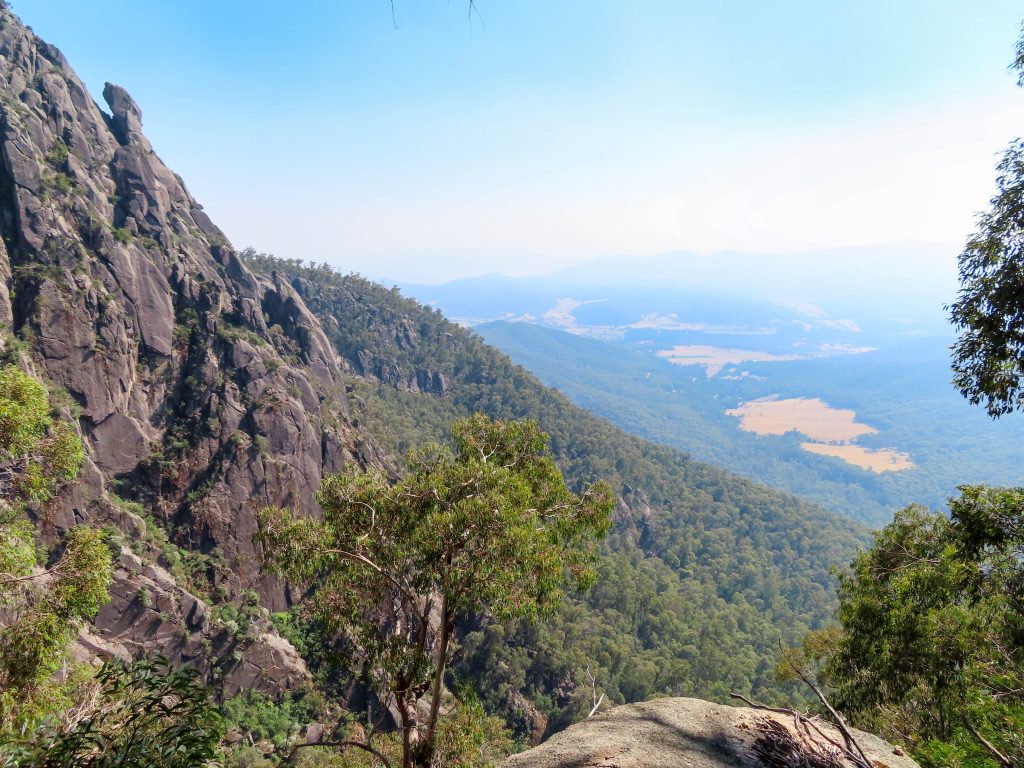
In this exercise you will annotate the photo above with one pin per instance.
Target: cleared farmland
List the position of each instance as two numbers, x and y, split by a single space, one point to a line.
874 459
808 416
715 358
832 431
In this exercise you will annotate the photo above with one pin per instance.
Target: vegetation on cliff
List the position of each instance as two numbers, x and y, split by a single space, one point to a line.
45 595
930 648
702 574
396 566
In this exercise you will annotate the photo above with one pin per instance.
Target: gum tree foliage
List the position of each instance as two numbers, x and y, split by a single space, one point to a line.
37 453
143 714
489 527
931 651
988 357
43 607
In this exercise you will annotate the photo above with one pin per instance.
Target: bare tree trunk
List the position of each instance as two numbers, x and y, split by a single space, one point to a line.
407 725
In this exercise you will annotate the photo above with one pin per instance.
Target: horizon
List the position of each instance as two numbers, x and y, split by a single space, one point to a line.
530 138
615 259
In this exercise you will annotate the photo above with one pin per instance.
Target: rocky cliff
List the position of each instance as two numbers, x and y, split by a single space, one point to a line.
202 391
205 390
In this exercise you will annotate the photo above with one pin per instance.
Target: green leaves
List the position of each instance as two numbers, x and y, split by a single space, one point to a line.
143 714
44 620
491 527
24 411
988 357
43 608
36 453
930 650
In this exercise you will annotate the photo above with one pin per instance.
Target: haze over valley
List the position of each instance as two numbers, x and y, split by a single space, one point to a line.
825 374
690 386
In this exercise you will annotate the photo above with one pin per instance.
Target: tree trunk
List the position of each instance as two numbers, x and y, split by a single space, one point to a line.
442 660
407 726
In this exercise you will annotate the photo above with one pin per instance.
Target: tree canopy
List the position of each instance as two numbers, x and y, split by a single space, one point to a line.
489 527
144 714
988 357
931 651
44 602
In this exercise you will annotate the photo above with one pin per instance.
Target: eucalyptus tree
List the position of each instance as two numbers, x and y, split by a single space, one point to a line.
489 527
988 357
42 606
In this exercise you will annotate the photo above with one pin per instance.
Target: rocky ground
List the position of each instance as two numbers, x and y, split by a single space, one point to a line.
687 733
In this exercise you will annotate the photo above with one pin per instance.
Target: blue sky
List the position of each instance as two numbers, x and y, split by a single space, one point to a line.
539 134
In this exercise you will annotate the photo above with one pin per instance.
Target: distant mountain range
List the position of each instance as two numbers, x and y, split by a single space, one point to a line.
667 346
208 384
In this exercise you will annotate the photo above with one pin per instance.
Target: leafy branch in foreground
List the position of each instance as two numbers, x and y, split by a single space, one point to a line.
142 714
43 607
931 648
491 527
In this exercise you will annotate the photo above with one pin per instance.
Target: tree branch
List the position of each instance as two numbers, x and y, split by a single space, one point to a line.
765 707
999 756
839 719
340 745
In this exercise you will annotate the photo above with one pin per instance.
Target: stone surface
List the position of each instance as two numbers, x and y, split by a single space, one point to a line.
127 121
134 303
675 733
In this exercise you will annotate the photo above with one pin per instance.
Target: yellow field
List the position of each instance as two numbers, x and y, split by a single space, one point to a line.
832 431
811 417
876 460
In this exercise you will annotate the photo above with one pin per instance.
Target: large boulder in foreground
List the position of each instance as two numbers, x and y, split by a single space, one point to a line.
690 733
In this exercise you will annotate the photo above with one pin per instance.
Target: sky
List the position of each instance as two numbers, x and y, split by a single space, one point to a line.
423 141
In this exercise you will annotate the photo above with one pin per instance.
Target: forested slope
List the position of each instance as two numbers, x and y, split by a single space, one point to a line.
703 575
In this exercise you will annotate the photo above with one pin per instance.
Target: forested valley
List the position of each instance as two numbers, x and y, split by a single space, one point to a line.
258 512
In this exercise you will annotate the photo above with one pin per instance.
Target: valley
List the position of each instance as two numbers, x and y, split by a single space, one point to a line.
260 510
902 392
844 354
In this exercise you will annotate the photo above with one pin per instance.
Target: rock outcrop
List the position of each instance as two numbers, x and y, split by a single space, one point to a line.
684 733
203 392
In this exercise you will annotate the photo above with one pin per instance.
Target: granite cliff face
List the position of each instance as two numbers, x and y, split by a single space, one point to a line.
202 391
207 386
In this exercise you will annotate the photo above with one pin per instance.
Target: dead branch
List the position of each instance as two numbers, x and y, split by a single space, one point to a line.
840 721
814 744
593 687
1002 759
765 707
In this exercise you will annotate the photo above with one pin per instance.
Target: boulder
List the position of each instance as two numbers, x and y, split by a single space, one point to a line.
688 733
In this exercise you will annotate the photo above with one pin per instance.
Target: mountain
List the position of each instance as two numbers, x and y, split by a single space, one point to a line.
850 344
805 303
207 385
688 534
202 391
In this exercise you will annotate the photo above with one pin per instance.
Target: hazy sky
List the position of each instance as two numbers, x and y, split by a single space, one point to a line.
542 133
